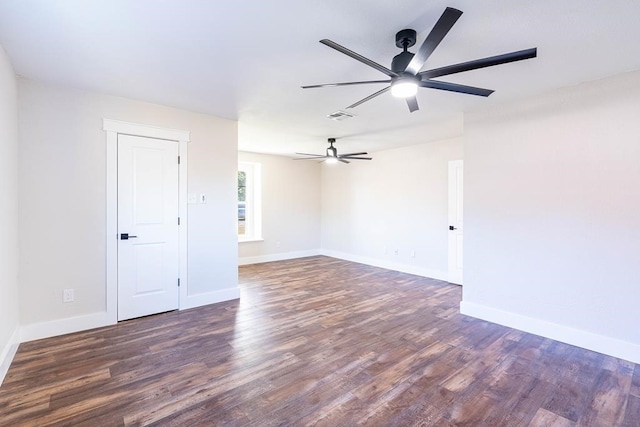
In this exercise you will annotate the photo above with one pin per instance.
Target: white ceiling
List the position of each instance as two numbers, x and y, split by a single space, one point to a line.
246 60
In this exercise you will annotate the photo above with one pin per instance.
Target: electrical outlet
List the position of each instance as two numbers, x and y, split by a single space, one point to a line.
413 254
68 295
396 252
278 244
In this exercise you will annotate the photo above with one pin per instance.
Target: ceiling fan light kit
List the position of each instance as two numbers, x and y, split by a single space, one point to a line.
404 87
405 75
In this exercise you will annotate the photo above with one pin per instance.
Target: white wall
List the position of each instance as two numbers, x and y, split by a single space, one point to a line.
290 209
552 215
62 200
396 201
8 213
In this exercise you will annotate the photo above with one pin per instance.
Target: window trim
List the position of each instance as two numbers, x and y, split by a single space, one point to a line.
253 202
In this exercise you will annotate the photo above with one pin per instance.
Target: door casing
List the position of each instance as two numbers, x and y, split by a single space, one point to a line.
112 128
455 213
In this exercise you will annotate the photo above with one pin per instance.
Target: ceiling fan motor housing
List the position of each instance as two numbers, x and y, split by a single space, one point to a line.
331 150
400 62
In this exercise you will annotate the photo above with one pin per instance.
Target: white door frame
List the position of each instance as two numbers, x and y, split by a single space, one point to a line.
112 129
455 218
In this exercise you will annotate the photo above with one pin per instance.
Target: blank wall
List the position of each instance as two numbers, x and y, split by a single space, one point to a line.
8 213
391 211
552 215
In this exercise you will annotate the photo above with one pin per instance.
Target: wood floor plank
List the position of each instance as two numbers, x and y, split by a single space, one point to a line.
544 418
635 382
609 400
631 418
323 342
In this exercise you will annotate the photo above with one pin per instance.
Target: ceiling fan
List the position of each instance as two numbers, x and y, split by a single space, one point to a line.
332 155
405 76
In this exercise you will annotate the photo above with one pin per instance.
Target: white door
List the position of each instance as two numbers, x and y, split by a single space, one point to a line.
455 221
148 245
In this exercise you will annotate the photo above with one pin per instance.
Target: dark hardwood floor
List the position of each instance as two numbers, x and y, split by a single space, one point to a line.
318 341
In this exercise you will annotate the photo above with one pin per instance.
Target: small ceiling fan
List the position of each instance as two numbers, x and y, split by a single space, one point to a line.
332 155
405 75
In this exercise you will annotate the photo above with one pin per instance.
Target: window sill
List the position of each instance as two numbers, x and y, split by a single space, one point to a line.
250 239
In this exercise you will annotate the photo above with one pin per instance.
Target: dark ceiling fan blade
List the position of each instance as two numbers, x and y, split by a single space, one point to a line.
481 63
358 57
356 158
346 84
313 155
454 87
442 27
342 160
412 103
373 95
353 154
310 156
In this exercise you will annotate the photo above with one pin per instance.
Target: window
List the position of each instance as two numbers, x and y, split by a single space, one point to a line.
249 202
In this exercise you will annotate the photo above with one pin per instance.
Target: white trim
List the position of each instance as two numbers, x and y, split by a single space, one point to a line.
240 240
111 278
580 338
455 218
112 129
198 300
404 268
183 239
52 328
126 128
277 257
8 353
253 201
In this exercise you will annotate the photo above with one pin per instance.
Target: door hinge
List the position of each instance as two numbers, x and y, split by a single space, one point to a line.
178 159
178 282
178 220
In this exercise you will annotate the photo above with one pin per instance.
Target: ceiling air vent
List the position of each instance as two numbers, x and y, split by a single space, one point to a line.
340 115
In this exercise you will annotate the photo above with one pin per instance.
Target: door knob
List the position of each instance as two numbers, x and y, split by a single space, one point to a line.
125 236
451 227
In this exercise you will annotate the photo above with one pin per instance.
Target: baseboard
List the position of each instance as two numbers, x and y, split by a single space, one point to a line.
69 325
277 257
580 338
207 298
8 352
389 265
52 328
